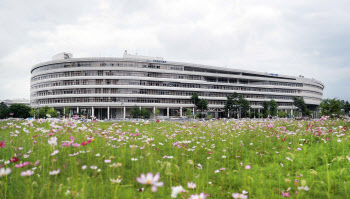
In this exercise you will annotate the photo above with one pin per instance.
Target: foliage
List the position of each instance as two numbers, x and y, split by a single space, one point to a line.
273 108
202 104
135 112
282 114
34 112
195 98
346 107
4 112
265 111
156 112
331 107
189 113
244 106
300 104
19 110
145 113
43 111
232 104
52 112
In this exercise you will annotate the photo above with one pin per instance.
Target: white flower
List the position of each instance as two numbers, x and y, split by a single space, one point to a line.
116 180
97 154
224 156
83 167
54 172
53 141
306 188
239 196
176 190
67 192
107 161
134 159
4 172
216 171
93 167
191 185
54 152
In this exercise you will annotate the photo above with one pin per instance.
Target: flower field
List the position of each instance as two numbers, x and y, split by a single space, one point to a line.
209 159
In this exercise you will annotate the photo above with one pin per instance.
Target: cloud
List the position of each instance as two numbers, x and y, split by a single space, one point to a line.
307 38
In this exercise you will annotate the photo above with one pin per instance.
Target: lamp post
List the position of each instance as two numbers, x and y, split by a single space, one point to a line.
121 110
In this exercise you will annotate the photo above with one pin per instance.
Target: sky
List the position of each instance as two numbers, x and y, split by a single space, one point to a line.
309 38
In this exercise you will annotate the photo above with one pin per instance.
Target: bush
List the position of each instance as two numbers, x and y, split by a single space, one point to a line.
20 110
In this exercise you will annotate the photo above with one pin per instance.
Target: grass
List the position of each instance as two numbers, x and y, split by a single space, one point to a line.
282 154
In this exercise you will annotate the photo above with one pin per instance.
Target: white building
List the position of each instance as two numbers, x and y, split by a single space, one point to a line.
110 87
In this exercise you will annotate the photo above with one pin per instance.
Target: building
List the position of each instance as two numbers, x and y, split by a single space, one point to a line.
9 102
110 87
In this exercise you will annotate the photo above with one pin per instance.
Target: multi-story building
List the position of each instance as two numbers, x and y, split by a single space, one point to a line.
110 87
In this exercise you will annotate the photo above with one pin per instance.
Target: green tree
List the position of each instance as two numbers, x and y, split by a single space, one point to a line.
144 113
156 112
273 108
232 104
202 105
135 112
330 107
346 107
34 112
195 98
244 105
20 110
4 112
300 103
189 113
265 109
52 112
282 114
43 111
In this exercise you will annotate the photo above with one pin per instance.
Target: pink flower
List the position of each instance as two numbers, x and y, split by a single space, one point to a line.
247 167
22 165
27 173
200 196
2 144
72 138
76 145
150 180
299 149
285 194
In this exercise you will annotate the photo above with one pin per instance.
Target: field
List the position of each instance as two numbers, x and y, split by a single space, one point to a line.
212 159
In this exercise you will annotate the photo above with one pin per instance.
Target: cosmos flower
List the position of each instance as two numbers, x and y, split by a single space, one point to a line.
191 185
54 172
116 180
4 172
198 196
247 167
52 141
22 165
150 180
27 173
239 196
176 190
2 144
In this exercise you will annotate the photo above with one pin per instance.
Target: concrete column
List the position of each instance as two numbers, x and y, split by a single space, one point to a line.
92 111
194 116
291 112
140 108
77 110
64 111
108 112
124 113
168 112
180 111
154 110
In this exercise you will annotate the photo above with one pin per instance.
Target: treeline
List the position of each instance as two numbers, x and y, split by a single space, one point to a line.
25 111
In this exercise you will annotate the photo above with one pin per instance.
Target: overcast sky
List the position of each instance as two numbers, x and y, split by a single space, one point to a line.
310 38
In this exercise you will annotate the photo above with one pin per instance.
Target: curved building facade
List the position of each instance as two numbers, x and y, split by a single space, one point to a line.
110 87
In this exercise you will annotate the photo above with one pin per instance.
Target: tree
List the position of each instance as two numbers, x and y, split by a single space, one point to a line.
232 104
144 113
330 107
195 99
282 114
20 110
346 107
156 112
34 112
135 112
300 103
52 112
4 113
244 105
43 111
273 108
265 109
189 113
202 105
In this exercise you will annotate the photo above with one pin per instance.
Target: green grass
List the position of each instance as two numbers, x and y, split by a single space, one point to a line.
321 162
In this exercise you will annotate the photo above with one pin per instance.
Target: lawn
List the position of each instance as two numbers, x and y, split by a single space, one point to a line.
212 159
